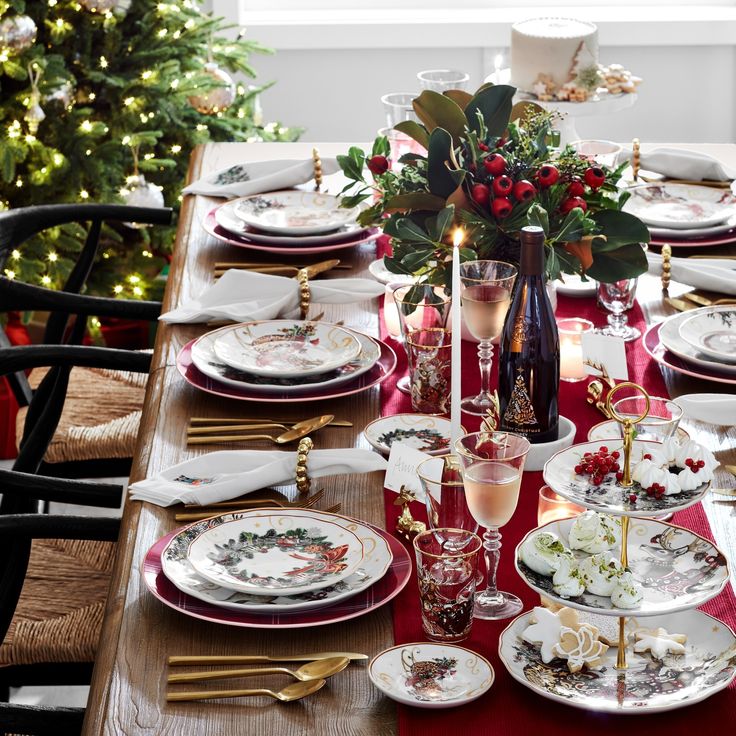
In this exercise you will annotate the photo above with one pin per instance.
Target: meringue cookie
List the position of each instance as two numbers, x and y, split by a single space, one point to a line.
646 474
567 581
671 485
626 592
540 552
692 449
593 532
600 573
689 481
666 453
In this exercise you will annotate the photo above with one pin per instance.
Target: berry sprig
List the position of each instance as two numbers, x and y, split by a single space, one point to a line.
598 465
694 465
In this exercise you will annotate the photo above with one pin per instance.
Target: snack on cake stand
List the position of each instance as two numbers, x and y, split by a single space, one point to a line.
710 657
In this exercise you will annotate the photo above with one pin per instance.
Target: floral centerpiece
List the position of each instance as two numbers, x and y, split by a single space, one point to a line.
489 168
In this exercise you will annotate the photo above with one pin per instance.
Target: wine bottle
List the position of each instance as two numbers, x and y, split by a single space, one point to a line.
529 360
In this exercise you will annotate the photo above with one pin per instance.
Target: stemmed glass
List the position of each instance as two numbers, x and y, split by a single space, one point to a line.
485 296
618 297
440 80
492 464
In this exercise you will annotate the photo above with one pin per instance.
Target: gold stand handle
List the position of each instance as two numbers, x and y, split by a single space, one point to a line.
628 425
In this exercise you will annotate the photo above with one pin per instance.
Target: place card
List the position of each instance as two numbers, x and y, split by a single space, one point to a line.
605 355
402 469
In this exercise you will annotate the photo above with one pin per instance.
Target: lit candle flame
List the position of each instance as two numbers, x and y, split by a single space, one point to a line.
458 236
497 62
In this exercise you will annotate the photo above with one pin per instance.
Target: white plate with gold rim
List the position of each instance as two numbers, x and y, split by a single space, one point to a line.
431 675
611 429
712 332
286 348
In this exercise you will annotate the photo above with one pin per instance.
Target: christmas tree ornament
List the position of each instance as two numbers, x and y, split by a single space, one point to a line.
218 98
140 193
17 33
62 94
98 6
35 114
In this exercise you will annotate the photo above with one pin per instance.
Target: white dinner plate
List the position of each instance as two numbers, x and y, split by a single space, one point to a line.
712 332
693 232
275 552
180 572
294 212
680 206
204 358
286 348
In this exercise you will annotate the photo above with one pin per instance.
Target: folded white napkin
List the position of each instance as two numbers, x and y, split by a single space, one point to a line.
711 274
221 476
244 296
710 408
242 180
675 163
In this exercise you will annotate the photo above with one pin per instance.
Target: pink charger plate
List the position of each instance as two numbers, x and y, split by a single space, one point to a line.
381 592
654 347
383 368
721 239
241 241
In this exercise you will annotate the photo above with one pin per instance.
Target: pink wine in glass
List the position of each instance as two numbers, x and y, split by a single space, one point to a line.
492 492
484 310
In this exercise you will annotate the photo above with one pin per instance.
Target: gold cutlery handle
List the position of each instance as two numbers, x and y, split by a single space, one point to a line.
214 659
278 422
215 428
228 438
211 694
222 674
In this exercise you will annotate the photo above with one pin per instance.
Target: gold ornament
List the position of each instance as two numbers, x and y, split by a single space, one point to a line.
17 33
35 114
98 6
219 98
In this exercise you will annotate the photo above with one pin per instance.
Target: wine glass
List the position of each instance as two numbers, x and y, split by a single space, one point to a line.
485 294
660 422
440 80
618 297
492 464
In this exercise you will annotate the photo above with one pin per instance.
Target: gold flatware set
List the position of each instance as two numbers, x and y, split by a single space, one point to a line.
281 269
310 677
210 434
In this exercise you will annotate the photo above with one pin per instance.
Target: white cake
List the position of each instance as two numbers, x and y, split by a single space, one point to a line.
552 48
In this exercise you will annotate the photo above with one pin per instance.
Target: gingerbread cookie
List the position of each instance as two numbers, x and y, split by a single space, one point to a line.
547 627
659 642
580 647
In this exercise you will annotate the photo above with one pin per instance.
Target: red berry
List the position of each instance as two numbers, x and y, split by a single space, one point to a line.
615 454
646 456
615 466
502 186
689 462
377 165
547 175
578 469
501 207
524 191
588 454
619 477
632 498
501 142
589 469
481 194
495 164
576 188
602 448
483 146
594 177
701 463
572 203
597 480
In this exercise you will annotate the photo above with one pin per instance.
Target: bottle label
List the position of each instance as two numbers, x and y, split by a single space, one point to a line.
519 411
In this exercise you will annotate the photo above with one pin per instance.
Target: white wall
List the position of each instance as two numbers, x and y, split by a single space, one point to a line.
688 94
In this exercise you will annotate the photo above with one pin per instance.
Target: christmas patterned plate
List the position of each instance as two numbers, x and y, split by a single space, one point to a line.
370 599
378 373
179 571
421 431
649 685
286 348
674 568
294 212
712 331
609 496
205 359
241 241
431 675
267 552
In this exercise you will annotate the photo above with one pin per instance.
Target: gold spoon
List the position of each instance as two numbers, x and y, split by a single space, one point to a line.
299 430
295 691
216 428
320 669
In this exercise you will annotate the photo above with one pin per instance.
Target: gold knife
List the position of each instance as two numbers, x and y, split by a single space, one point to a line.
321 267
724 491
260 659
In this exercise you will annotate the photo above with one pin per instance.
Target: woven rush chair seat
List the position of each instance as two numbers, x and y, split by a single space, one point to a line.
101 415
59 614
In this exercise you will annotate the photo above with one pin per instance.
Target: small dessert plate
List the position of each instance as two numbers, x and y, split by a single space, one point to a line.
611 430
420 431
380 273
286 348
431 675
267 552
712 332
294 212
573 285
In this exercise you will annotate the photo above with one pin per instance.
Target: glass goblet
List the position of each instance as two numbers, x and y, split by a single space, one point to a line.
492 464
440 80
617 298
659 424
485 293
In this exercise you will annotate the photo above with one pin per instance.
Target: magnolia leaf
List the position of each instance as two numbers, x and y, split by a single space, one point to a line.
524 110
459 96
538 217
394 266
620 228
437 111
440 180
414 201
439 225
414 131
495 104
626 262
571 229
406 229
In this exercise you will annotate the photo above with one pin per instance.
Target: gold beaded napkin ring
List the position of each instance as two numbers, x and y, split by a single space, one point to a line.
305 295
666 266
302 478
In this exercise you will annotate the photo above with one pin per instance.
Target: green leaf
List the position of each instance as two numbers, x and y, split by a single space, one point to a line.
620 228
414 201
350 167
495 105
625 262
443 221
415 131
538 217
437 111
439 153
381 146
408 230
14 70
395 266
571 229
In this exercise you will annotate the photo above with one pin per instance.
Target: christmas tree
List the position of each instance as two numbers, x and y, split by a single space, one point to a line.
103 101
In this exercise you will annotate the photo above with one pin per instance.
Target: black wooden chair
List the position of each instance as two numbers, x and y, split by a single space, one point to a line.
88 451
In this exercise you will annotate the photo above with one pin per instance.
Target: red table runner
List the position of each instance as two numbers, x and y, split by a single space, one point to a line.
509 708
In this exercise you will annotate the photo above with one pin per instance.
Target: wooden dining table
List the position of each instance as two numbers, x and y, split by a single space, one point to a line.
139 633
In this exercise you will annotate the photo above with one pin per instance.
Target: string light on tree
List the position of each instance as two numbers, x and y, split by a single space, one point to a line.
98 6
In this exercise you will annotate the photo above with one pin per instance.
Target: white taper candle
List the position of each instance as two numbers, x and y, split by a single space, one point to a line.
455 430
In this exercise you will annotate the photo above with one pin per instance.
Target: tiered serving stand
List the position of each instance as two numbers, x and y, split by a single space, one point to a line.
678 571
